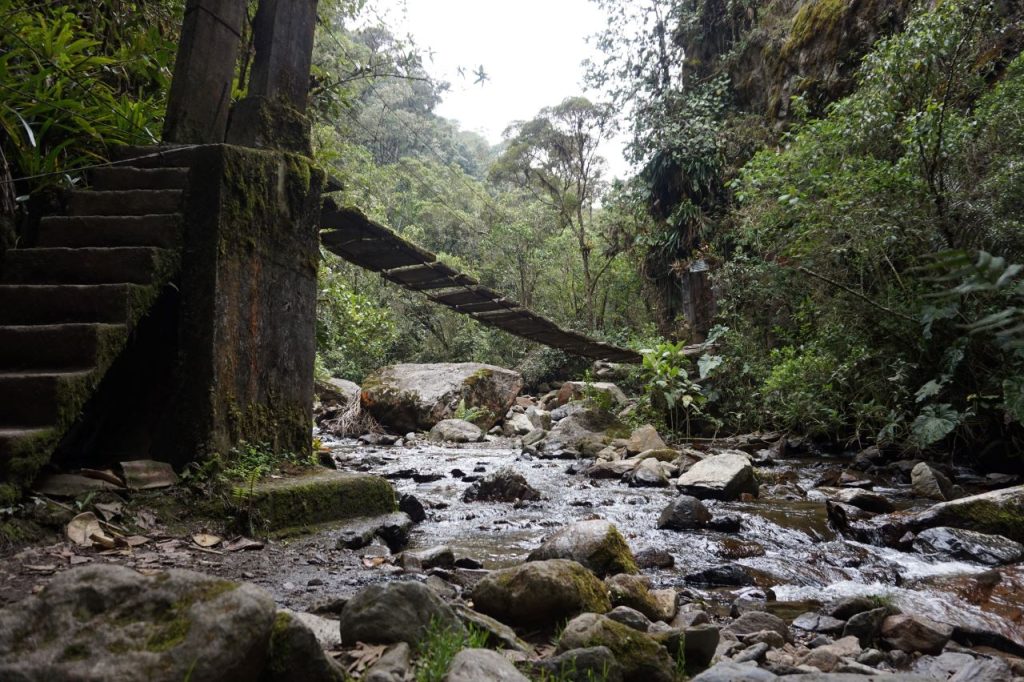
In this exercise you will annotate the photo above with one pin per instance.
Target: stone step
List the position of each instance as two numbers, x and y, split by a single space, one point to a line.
55 346
160 230
132 177
28 304
152 156
126 264
18 438
125 202
34 399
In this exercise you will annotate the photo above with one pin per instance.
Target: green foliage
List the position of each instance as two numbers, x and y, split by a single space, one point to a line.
438 647
472 414
668 388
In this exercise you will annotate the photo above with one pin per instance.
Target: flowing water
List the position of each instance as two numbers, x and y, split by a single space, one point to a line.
786 544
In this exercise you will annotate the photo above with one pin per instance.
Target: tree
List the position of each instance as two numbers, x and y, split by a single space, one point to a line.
555 157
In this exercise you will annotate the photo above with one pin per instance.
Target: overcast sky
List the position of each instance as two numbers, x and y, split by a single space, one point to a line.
531 49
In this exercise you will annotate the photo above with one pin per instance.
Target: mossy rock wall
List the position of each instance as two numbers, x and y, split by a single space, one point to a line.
248 312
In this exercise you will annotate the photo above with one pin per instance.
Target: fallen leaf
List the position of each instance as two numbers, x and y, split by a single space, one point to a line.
102 475
145 519
82 527
48 568
102 540
76 560
374 561
364 656
109 510
207 540
244 544
137 540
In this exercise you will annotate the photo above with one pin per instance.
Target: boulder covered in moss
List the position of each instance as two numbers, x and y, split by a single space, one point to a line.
107 622
396 612
596 543
642 659
410 397
540 593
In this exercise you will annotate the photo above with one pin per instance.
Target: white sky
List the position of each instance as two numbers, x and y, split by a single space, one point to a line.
532 51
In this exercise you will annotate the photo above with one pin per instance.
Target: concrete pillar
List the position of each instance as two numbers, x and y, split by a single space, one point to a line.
200 97
273 113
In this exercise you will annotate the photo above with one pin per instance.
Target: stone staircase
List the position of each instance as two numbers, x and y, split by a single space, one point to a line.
69 303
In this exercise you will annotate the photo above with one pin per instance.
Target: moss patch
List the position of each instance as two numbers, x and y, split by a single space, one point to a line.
614 554
814 20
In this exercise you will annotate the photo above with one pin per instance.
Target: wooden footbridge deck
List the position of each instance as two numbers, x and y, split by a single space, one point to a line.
352 236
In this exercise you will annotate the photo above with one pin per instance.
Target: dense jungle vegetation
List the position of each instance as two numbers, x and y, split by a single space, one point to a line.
850 174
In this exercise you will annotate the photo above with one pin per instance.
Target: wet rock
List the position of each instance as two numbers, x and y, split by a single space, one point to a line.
596 544
730 671
498 634
731 548
642 659
296 655
720 477
585 431
168 627
967 545
629 617
817 622
756 652
634 591
846 608
727 575
650 473
455 431
413 507
684 513
700 643
384 439
505 485
725 524
755 621
930 483
435 557
413 397
611 469
581 665
862 499
654 558
915 633
474 665
395 612
393 529
540 593
392 666
686 619
644 438
866 625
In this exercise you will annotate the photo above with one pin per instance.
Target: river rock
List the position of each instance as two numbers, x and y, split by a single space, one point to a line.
866 625
862 499
650 473
726 575
296 655
634 591
615 469
475 665
392 666
642 659
441 556
395 612
818 622
644 438
540 593
416 397
847 607
504 485
167 627
630 617
393 529
755 621
518 424
968 545
930 483
574 390
580 665
728 671
455 431
915 633
684 513
587 430
597 544
720 477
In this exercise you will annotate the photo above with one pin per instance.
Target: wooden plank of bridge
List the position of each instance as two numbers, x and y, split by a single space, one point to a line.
354 237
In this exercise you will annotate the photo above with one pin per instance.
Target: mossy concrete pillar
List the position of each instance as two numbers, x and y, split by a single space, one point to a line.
248 303
200 98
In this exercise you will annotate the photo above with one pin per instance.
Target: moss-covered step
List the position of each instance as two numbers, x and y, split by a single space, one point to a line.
297 503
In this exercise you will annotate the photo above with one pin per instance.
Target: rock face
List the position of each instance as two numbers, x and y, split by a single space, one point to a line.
540 593
930 483
416 397
597 544
684 513
396 612
720 477
474 665
172 626
642 659
455 431
968 545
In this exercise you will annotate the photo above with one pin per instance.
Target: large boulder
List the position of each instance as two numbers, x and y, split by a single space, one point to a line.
642 659
107 622
396 612
586 431
720 477
455 431
915 634
597 544
540 593
504 485
930 483
415 397
968 545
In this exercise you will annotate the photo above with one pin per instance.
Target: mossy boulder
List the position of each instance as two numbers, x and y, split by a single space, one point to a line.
1000 512
108 622
412 397
397 612
540 593
634 591
642 659
297 503
597 544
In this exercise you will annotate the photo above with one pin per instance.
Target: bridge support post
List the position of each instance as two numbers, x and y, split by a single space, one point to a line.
273 114
200 96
